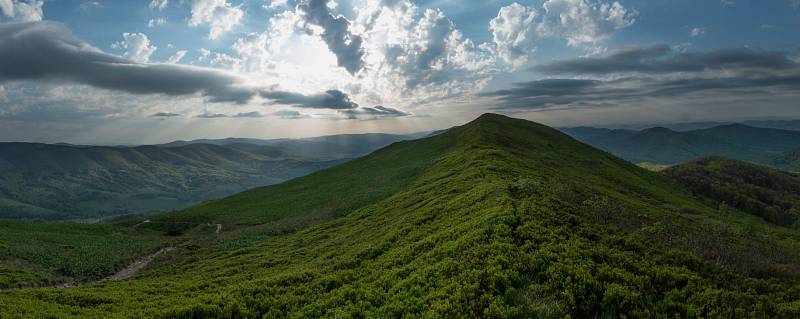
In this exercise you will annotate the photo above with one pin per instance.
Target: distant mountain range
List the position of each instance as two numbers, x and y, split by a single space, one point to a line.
319 148
62 181
667 146
792 125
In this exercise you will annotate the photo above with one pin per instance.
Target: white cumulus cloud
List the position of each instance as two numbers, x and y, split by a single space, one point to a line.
177 57
514 32
156 22
158 4
136 45
219 15
581 22
275 4
20 10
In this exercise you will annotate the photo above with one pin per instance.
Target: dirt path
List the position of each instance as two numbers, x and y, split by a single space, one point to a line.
138 265
130 271
142 223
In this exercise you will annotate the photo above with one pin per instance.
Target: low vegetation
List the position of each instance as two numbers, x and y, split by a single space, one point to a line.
769 193
499 218
36 254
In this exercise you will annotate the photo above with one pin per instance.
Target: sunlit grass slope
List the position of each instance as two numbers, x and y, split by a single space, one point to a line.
499 218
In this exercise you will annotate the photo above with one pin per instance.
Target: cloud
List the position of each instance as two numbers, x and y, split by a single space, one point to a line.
211 116
156 22
177 57
253 114
48 51
219 15
20 10
89 5
514 32
663 59
402 54
331 99
736 74
335 32
158 4
289 114
137 46
377 111
550 93
275 4
418 58
696 32
581 22
165 114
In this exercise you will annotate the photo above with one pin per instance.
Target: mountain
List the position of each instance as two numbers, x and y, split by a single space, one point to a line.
763 140
792 125
318 148
64 182
768 193
788 160
498 218
666 146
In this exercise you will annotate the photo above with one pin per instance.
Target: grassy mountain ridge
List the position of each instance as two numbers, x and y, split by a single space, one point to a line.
503 218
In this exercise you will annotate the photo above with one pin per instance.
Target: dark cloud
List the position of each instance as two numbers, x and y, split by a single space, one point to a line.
289 114
662 59
563 92
345 45
165 114
48 51
657 72
253 114
212 115
331 99
374 112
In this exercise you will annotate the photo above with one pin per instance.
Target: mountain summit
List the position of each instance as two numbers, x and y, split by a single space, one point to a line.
498 218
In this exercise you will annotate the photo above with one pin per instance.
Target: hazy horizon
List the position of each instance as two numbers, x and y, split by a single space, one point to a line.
105 72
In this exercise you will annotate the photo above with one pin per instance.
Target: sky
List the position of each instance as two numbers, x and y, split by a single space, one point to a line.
142 72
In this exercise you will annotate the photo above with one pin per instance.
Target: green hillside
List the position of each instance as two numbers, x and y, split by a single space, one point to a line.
33 254
769 193
51 182
499 218
788 160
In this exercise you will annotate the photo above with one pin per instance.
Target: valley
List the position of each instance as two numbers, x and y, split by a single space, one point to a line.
73 182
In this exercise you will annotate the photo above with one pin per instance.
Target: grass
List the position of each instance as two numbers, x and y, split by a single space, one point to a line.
500 218
34 254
